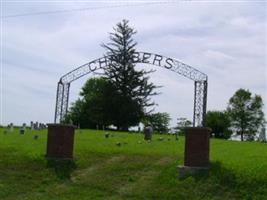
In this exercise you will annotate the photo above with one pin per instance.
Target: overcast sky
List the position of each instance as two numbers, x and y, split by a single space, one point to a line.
225 40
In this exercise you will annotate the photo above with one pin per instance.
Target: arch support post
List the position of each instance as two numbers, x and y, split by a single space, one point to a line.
58 102
62 101
65 101
200 103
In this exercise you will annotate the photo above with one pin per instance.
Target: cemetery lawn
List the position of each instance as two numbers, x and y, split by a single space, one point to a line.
134 170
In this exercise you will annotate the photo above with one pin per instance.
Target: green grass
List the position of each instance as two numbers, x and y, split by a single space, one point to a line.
134 170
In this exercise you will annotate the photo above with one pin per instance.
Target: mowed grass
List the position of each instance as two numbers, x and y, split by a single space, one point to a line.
134 170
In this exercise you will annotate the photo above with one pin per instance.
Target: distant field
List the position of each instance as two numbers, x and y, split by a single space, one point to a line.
134 170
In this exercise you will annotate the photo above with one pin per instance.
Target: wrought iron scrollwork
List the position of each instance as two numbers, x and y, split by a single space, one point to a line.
200 82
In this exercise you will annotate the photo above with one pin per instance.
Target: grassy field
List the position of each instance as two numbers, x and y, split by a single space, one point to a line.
134 170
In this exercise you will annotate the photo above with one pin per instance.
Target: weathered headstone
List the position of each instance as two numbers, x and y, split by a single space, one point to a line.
148 133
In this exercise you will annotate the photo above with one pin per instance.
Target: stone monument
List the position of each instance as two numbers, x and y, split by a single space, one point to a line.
60 142
196 153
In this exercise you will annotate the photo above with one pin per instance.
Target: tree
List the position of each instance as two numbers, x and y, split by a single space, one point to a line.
133 91
159 121
246 113
93 108
182 123
219 122
76 114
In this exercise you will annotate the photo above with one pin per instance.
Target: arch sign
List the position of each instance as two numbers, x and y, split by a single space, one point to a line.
200 81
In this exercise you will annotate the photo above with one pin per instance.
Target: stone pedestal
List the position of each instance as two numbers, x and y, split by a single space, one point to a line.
196 154
60 141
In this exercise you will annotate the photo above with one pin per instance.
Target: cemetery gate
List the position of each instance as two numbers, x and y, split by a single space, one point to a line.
200 82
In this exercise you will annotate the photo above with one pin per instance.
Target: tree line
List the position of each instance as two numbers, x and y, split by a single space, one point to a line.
243 116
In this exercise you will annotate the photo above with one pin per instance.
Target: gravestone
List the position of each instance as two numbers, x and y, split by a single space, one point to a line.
35 125
41 126
148 132
31 125
22 131
60 140
11 127
196 154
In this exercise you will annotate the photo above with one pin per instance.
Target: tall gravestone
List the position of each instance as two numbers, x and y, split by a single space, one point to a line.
196 153
60 141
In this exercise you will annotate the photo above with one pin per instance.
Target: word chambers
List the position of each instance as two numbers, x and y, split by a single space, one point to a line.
138 57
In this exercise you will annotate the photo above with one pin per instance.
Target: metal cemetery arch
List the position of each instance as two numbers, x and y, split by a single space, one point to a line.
200 80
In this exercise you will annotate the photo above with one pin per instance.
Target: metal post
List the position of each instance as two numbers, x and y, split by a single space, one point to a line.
194 115
55 119
204 103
